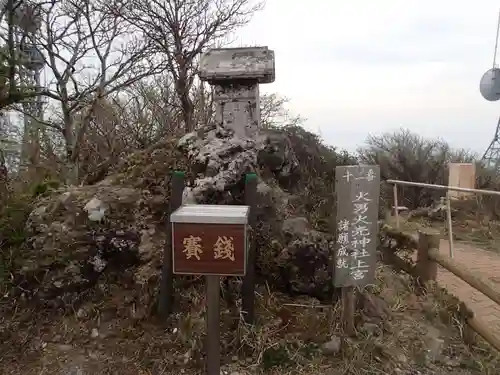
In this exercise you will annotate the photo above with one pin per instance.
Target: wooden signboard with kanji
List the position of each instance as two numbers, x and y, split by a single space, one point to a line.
209 240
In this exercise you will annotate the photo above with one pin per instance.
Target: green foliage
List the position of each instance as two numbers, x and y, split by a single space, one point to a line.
287 354
275 357
13 215
45 187
14 211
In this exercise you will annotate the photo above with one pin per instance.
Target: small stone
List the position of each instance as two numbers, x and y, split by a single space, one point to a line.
98 263
332 346
187 196
74 371
393 353
451 362
433 343
94 333
263 188
402 358
93 355
57 338
296 225
371 328
58 284
96 209
374 308
64 347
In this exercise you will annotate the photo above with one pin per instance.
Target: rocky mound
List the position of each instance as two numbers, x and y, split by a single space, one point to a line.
84 238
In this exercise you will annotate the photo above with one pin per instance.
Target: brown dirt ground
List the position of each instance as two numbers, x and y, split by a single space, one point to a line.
286 339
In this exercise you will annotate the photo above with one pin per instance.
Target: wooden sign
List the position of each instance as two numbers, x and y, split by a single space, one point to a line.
210 240
461 175
357 188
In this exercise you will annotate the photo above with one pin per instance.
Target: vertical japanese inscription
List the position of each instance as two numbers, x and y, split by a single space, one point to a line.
357 189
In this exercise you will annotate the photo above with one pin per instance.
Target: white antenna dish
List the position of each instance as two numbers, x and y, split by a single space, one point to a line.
490 85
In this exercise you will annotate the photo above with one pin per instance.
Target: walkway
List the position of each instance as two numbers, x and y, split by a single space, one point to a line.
483 263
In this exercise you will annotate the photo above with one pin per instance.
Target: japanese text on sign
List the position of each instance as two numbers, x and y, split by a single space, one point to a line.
192 247
222 249
357 190
209 240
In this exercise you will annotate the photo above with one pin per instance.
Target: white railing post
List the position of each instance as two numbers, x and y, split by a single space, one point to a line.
448 218
396 204
448 201
444 187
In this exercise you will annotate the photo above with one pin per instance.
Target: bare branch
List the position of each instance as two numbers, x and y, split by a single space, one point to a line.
91 55
181 29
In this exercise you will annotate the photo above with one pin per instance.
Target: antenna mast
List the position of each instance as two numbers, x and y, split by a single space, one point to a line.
490 90
26 22
492 153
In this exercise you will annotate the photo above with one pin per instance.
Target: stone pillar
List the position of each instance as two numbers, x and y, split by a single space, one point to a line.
225 153
235 74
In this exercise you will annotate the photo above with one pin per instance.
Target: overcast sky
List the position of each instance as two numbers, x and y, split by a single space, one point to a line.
362 66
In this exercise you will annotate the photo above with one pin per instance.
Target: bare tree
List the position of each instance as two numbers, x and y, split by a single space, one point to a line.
149 112
92 55
273 112
181 29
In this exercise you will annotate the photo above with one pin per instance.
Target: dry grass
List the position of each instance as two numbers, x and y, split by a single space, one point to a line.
111 333
287 338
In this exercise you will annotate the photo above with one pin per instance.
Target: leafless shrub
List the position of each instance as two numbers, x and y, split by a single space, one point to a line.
404 155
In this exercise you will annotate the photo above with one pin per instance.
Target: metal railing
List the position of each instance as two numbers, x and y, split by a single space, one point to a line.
395 184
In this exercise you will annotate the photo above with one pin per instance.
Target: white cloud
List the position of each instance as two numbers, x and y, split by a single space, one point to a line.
359 67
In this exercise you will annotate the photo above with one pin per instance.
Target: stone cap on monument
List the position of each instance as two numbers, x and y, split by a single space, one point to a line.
246 63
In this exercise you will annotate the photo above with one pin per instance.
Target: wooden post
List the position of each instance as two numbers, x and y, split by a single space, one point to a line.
248 288
467 332
213 325
461 271
348 310
426 268
210 240
165 303
357 190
